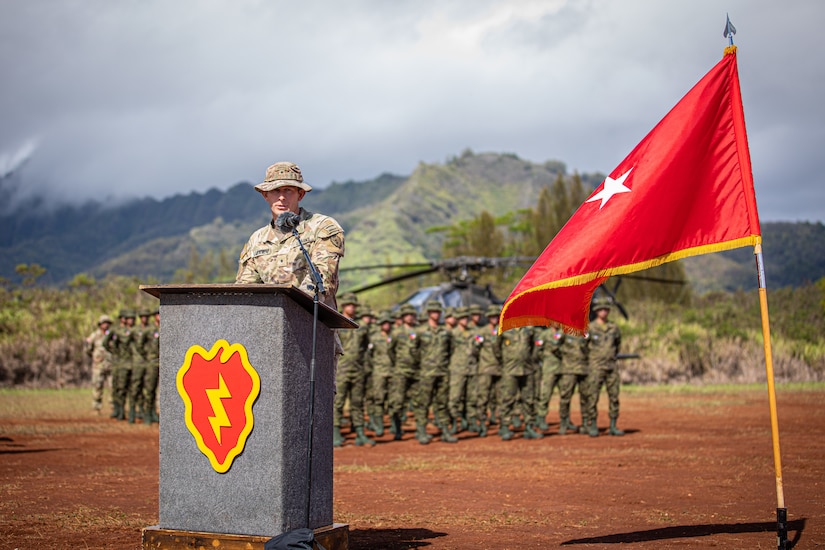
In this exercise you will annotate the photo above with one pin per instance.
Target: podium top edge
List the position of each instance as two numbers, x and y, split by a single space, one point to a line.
328 315
216 288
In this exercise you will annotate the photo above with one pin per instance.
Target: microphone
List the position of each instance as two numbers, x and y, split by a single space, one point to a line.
287 221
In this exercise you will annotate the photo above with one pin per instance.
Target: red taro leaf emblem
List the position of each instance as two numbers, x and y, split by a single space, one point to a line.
218 388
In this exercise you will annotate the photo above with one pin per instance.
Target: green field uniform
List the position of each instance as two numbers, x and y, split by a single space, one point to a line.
382 372
574 369
405 348
461 401
517 376
151 352
349 379
120 342
433 377
548 373
487 354
101 365
605 341
140 365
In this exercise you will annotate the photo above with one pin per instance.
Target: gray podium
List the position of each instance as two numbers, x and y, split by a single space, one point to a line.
204 399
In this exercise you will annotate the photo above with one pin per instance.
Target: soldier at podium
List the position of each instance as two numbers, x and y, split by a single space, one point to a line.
273 256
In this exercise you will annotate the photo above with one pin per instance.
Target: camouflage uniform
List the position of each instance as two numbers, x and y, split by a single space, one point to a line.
487 354
605 341
349 379
405 348
433 382
140 366
462 400
382 371
548 362
151 353
574 370
101 360
517 379
120 342
275 257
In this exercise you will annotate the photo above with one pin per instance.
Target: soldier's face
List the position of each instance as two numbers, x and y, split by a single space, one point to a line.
283 199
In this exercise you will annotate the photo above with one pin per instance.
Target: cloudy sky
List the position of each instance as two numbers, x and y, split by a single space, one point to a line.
103 99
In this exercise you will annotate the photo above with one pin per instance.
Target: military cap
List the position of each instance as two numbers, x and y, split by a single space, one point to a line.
602 303
365 311
126 314
145 313
493 311
384 317
407 309
104 319
282 174
348 298
449 312
462 312
433 305
475 310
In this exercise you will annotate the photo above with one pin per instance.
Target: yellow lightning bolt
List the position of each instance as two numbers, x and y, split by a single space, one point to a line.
219 419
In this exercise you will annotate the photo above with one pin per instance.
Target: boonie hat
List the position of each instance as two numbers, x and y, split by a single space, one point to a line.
282 174
348 298
493 311
104 319
434 305
601 303
408 309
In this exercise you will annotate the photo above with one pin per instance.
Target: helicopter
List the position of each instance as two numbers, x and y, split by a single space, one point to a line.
461 288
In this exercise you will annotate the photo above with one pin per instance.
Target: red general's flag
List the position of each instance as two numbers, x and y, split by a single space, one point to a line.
685 190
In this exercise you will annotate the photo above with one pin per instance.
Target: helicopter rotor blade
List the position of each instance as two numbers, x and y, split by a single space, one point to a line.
394 279
386 266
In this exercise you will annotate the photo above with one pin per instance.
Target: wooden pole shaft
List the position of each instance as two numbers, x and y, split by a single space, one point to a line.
766 336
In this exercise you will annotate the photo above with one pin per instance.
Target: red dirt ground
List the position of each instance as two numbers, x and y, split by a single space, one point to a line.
694 471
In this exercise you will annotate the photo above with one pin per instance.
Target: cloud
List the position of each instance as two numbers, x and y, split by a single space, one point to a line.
148 97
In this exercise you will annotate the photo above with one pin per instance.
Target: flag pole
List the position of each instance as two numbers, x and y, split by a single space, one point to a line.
781 511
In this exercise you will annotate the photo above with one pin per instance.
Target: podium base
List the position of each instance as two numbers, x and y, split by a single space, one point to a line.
333 537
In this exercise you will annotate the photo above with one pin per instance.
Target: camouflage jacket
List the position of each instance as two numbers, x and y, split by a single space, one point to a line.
356 346
517 351
150 344
405 348
546 354
273 257
487 350
436 346
381 354
605 341
462 346
574 351
121 342
94 348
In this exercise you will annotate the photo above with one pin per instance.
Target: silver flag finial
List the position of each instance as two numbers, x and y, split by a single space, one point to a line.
730 30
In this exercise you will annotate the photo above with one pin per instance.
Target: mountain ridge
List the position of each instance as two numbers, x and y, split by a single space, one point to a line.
387 219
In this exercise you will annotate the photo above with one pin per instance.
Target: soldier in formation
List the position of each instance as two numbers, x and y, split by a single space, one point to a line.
350 377
101 360
465 376
605 341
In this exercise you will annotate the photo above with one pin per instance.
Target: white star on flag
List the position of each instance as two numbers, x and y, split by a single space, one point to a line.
611 187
